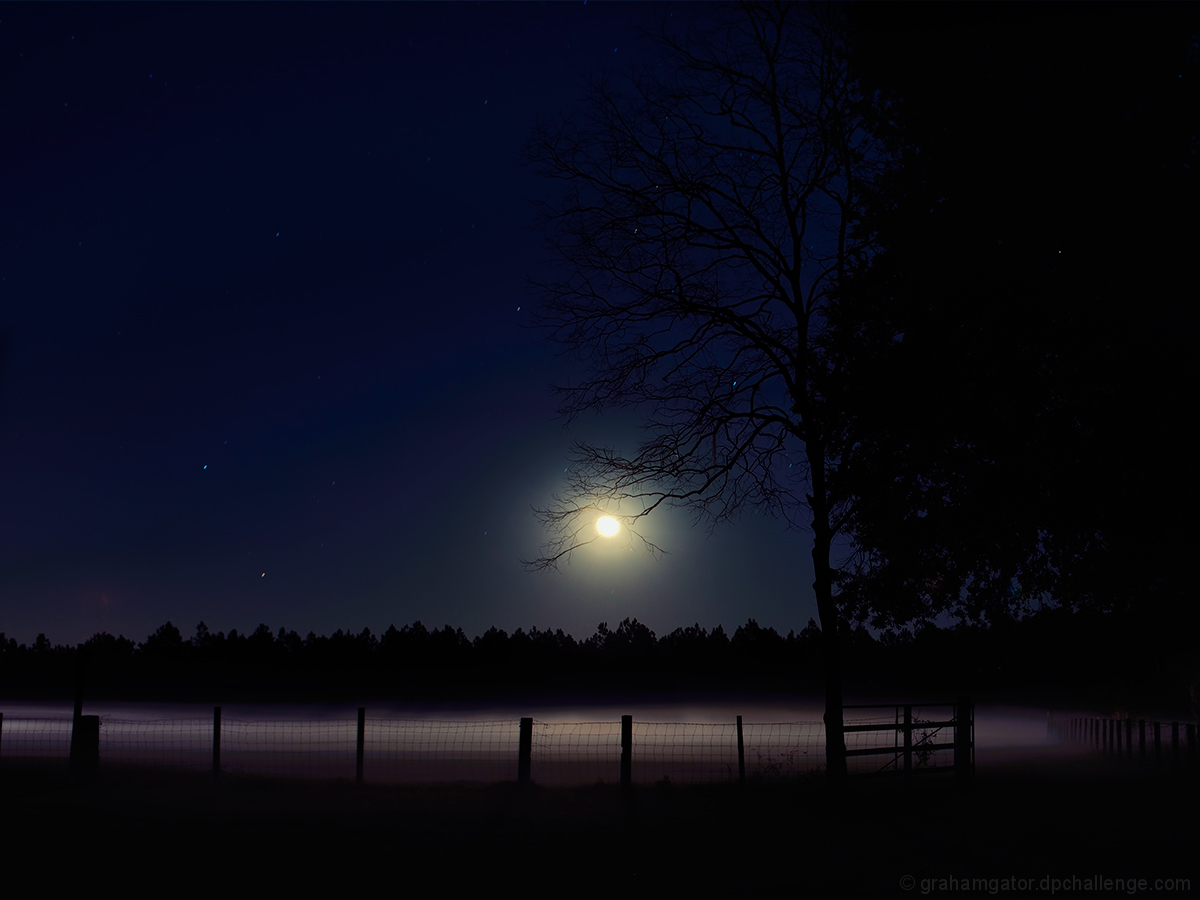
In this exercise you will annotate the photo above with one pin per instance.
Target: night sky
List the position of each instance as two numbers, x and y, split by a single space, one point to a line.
264 322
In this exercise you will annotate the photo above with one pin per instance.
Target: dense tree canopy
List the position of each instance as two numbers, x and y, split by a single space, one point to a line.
1027 440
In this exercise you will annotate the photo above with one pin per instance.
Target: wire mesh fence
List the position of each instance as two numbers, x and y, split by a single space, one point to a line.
565 753
173 743
288 749
783 749
420 750
417 750
36 738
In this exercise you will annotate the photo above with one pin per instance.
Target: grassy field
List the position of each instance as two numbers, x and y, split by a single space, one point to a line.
1052 814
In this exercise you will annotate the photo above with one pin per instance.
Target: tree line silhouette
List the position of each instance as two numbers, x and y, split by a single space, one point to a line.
1116 660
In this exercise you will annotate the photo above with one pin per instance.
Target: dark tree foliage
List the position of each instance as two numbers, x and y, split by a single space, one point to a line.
1029 442
1049 656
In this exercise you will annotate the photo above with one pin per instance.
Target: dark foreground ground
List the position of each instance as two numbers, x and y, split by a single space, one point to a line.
1037 816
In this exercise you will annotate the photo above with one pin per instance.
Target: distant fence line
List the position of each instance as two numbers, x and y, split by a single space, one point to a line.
1164 746
551 753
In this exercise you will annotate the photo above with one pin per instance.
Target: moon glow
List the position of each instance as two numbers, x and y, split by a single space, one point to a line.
607 526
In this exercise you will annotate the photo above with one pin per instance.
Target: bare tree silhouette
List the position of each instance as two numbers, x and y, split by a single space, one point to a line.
706 222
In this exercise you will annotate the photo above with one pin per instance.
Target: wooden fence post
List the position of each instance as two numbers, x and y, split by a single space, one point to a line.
908 742
216 740
964 722
76 757
1175 748
741 754
525 750
1142 741
1129 739
1157 746
1191 745
358 753
85 746
626 751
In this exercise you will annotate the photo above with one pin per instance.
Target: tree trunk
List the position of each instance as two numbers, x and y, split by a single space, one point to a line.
835 740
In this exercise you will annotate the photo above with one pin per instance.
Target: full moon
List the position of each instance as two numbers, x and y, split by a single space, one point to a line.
607 526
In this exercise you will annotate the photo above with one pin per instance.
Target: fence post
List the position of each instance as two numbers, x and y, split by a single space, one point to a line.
1142 741
1191 745
76 758
1129 739
1157 746
626 751
1175 748
964 722
741 754
358 753
1118 744
216 740
525 750
908 742
85 746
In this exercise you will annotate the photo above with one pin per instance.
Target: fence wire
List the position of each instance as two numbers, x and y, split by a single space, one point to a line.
575 752
36 738
684 752
288 749
783 749
172 743
418 750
